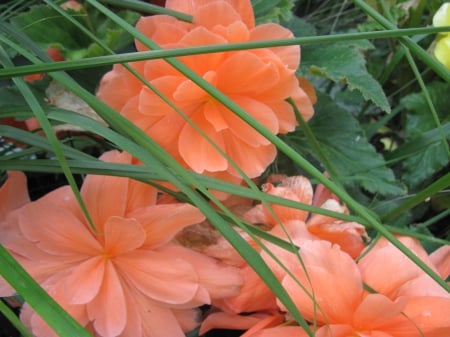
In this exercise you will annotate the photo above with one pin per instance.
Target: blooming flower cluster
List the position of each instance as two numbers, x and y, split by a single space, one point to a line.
381 294
138 263
259 81
123 277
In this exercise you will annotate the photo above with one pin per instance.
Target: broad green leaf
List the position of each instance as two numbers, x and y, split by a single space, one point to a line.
46 27
272 10
419 120
344 63
345 146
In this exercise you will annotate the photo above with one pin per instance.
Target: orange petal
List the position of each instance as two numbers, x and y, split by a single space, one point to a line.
244 73
57 231
162 222
197 152
104 196
162 29
160 277
252 160
386 260
377 310
122 236
13 193
119 85
206 15
289 55
335 301
108 309
441 259
262 113
84 282
253 296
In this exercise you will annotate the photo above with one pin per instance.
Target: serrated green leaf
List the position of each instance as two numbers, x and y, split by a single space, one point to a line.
272 10
344 144
344 63
419 120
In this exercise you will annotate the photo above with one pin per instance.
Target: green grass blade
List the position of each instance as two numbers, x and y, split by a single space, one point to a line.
56 317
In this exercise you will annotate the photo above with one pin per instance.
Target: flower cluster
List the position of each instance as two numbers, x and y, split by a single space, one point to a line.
137 262
124 276
259 81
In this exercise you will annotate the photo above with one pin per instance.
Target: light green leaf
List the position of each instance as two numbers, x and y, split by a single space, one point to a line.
344 63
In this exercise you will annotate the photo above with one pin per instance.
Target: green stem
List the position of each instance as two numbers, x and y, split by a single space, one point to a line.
106 60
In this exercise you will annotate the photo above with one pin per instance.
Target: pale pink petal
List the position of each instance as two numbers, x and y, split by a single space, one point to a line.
162 278
162 222
108 309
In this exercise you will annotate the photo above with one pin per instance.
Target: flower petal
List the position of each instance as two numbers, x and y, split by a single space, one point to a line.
162 222
56 231
334 302
13 193
84 282
108 309
160 277
197 152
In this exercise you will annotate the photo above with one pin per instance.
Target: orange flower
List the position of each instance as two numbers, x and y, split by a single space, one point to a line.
333 297
348 235
259 81
125 278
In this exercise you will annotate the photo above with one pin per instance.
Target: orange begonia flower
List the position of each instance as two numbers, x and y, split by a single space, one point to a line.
349 235
258 80
126 277
336 301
